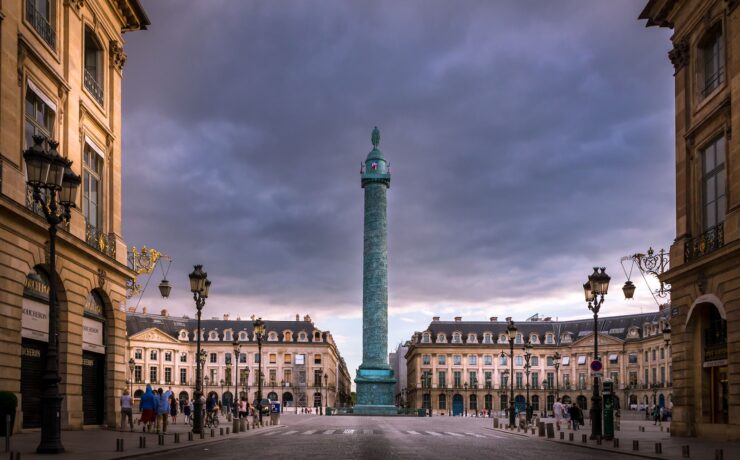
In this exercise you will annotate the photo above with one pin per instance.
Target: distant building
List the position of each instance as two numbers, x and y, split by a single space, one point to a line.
61 75
397 361
296 356
456 367
705 256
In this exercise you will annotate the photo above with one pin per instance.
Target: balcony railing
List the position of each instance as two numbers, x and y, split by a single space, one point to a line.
41 24
93 87
100 241
709 241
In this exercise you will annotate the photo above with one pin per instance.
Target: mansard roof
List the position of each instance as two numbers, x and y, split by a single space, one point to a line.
171 325
614 326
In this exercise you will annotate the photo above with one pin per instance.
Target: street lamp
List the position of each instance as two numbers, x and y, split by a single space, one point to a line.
326 386
54 184
556 363
131 366
259 330
667 334
199 286
511 332
222 391
465 403
246 384
594 290
527 355
237 354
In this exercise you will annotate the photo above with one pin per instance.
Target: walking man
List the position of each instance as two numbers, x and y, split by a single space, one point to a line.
126 410
163 410
557 410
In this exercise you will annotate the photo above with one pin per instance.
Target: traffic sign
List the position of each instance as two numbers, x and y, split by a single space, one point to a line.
596 365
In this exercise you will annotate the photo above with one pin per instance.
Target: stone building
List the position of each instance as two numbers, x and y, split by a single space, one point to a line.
296 356
705 256
456 367
60 77
397 361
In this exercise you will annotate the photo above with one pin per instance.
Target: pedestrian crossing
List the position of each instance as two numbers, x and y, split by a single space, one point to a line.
365 431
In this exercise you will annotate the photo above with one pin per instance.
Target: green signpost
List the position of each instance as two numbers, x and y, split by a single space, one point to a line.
608 398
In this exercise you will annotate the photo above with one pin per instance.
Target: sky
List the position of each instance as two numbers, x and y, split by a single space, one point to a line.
528 141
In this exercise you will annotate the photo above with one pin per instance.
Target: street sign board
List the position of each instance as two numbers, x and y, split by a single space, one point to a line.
596 365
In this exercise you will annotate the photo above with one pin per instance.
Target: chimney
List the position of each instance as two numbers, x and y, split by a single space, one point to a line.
238 318
508 319
163 312
143 310
435 318
226 316
297 317
458 319
307 318
494 319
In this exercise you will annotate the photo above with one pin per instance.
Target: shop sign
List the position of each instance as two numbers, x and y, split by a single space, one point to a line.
35 320
92 335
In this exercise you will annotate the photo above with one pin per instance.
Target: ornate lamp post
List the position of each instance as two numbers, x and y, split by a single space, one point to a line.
199 286
594 290
54 185
556 363
237 354
511 332
259 330
527 356
222 391
465 403
131 366
326 386
246 383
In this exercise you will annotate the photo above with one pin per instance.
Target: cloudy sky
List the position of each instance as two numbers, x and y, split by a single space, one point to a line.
528 141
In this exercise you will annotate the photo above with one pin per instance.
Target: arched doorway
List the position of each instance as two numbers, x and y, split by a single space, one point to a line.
706 327
473 406
520 403
227 400
317 399
272 396
661 400
211 395
35 337
138 393
287 399
582 402
183 396
504 402
566 400
93 359
457 404
633 402
442 402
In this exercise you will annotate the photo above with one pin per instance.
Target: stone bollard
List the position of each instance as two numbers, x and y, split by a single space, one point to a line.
584 438
658 448
160 439
235 426
562 435
177 438
570 437
241 425
661 427
227 430
668 429
220 431
142 442
532 430
635 445
685 452
213 432
119 445
616 443
541 427
719 454
495 422
202 434
190 435
598 440
550 430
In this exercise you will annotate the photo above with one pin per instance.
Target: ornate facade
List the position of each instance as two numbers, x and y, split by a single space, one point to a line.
60 77
705 256
456 367
296 356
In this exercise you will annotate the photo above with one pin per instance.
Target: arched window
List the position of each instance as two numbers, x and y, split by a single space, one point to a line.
456 337
302 336
316 336
534 338
93 77
441 338
287 336
228 335
487 337
549 339
243 336
472 338
502 338
183 335
426 337
519 339
213 336
272 336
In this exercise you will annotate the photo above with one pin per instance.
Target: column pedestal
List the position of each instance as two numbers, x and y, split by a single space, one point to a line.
375 392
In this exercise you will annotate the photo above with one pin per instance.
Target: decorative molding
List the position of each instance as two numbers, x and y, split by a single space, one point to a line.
102 278
117 56
75 5
679 55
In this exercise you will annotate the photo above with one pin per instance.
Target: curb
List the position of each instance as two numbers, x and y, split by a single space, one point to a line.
187 446
585 446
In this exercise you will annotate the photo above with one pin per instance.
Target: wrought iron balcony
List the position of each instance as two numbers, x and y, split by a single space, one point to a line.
708 242
41 24
100 241
93 87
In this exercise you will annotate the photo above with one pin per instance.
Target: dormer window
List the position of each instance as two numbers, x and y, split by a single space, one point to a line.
519 339
426 337
213 336
183 335
456 337
472 338
633 333
302 336
502 339
272 336
287 336
566 338
228 335
712 60
549 339
441 338
487 337
243 336
93 77
317 336
534 338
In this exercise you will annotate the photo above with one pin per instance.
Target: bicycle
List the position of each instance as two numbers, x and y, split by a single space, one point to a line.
211 420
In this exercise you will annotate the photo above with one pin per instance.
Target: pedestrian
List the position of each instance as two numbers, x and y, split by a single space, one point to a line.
126 410
557 409
163 410
576 416
656 414
243 408
147 407
186 409
173 409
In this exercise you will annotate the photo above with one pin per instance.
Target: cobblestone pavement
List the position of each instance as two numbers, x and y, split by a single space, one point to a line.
345 437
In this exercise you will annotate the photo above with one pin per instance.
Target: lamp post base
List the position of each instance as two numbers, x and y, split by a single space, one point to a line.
51 439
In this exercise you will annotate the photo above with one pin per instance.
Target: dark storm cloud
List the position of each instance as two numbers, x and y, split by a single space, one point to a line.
527 141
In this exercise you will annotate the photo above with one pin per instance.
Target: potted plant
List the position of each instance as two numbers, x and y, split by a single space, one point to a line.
8 405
